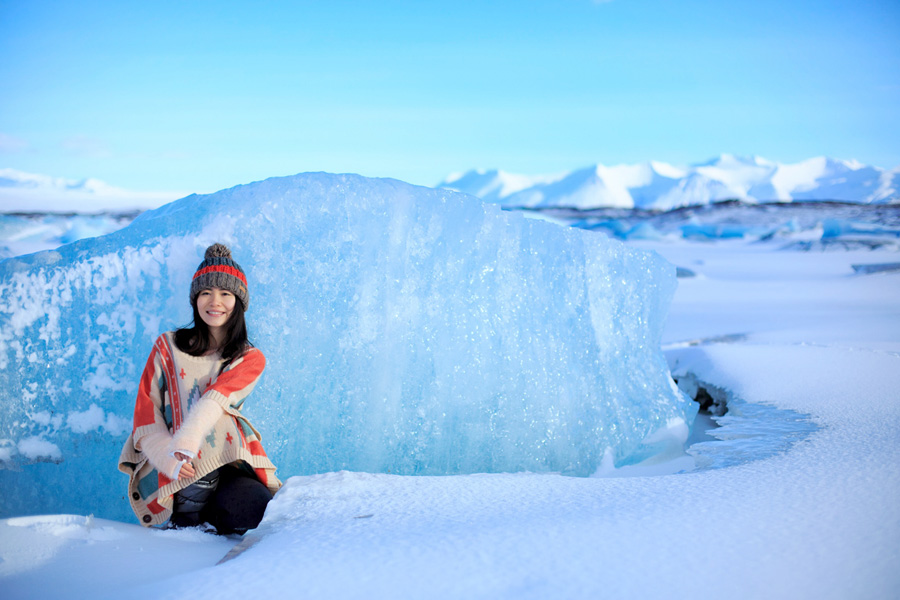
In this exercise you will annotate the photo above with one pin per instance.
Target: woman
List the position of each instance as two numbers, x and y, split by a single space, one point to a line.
192 457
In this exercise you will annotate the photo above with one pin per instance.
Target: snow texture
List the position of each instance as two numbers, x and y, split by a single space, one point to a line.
73 554
407 330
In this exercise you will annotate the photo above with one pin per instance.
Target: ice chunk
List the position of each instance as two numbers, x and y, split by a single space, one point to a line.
407 330
643 231
716 231
834 228
876 268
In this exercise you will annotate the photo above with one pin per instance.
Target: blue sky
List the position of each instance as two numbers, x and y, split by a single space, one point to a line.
199 96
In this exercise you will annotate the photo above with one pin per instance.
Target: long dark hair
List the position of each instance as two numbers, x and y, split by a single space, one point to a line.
194 340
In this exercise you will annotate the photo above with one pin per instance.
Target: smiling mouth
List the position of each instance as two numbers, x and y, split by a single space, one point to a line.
214 313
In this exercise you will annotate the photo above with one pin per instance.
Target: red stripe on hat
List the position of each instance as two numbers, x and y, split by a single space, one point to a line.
221 269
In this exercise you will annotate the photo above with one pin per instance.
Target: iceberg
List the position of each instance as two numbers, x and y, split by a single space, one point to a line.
408 330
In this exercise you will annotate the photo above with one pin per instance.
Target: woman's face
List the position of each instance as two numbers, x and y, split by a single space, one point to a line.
215 306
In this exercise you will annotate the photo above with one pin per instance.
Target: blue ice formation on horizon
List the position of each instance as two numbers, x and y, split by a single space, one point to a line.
836 228
407 330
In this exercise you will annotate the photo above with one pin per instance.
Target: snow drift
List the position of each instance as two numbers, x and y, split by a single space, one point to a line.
407 330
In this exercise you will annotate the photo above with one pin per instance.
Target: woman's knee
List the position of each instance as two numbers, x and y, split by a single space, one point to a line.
240 504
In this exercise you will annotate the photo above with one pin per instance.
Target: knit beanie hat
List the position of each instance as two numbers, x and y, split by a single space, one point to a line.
219 270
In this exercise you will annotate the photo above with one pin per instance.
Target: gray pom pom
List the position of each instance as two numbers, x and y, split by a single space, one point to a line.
217 251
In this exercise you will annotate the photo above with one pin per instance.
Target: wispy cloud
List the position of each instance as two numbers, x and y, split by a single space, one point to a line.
82 145
10 143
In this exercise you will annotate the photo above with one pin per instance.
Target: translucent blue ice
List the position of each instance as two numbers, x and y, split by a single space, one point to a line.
715 231
835 228
407 330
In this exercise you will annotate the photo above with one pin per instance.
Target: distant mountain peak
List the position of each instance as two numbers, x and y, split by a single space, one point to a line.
492 185
665 169
660 185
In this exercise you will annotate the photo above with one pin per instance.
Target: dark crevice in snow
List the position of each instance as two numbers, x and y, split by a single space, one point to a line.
713 400
730 431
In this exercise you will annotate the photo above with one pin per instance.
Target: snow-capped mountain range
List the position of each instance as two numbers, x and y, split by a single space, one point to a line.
653 185
661 186
30 192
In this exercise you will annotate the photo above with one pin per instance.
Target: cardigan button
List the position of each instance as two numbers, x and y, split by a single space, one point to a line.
136 496
147 518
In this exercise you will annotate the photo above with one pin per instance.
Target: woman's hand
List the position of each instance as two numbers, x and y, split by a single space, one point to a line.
187 469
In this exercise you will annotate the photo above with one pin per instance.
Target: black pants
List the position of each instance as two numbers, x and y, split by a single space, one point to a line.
231 499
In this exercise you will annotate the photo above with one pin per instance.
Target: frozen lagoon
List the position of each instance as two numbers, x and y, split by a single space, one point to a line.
816 521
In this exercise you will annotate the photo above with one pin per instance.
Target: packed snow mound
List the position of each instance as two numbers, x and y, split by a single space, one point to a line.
660 186
64 556
407 330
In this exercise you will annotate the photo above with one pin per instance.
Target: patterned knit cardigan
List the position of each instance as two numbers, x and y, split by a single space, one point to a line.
172 382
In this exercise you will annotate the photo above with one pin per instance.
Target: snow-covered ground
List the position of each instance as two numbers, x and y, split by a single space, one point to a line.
804 509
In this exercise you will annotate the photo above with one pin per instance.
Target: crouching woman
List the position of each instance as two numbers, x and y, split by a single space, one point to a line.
192 457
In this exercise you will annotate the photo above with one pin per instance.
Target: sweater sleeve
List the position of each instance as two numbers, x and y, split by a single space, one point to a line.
199 423
150 432
155 446
148 407
236 382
